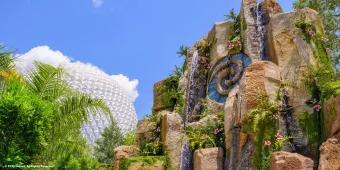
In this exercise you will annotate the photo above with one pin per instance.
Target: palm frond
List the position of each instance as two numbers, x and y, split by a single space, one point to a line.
74 109
47 82
6 60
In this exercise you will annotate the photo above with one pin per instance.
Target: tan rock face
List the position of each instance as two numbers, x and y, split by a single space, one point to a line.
291 53
259 77
219 34
173 138
122 152
271 8
332 116
159 102
144 130
330 155
125 151
290 161
208 159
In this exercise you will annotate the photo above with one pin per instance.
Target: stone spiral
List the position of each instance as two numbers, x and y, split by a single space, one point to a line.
225 75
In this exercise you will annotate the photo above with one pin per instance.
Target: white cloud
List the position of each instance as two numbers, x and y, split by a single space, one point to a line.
97 3
45 54
128 85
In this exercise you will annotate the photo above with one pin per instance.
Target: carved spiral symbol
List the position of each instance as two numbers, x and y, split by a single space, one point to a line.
225 75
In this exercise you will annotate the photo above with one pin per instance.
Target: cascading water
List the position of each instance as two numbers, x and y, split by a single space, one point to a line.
261 31
192 86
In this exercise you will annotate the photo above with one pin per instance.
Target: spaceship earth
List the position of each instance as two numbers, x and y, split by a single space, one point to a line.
89 80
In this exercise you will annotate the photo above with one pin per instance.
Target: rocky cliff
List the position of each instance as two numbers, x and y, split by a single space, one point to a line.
253 94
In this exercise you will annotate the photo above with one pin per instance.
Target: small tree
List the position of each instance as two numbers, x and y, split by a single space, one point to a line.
111 138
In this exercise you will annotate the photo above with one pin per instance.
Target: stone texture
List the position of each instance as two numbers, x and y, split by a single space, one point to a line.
139 165
219 34
290 161
158 97
330 155
332 116
291 53
203 121
208 159
261 76
173 138
271 7
144 129
122 152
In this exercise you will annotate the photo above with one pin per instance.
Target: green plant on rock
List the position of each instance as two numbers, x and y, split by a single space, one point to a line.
152 146
329 13
144 160
209 135
261 123
234 43
130 139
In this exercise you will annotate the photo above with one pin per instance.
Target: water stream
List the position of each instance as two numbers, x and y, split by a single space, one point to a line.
192 86
261 30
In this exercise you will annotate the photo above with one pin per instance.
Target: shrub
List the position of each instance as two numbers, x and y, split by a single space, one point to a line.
24 124
111 138
209 135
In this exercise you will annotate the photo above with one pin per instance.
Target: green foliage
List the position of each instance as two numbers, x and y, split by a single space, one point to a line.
232 16
308 122
78 158
130 139
320 78
261 122
111 138
6 60
170 92
332 88
145 160
183 51
25 121
209 135
235 39
152 146
41 117
329 13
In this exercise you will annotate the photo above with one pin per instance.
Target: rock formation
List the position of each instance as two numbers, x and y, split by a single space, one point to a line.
248 97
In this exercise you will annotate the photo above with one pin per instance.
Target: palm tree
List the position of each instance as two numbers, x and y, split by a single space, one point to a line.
70 108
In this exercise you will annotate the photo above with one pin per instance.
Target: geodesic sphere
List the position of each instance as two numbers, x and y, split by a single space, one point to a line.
89 80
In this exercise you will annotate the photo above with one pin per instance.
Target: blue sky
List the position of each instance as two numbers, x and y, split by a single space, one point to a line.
137 38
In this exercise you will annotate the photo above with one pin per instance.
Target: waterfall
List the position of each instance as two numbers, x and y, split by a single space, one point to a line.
261 30
191 90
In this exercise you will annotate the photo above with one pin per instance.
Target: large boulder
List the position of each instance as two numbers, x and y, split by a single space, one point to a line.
330 155
173 138
145 129
332 116
161 99
123 152
288 49
259 77
290 161
208 159
219 34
